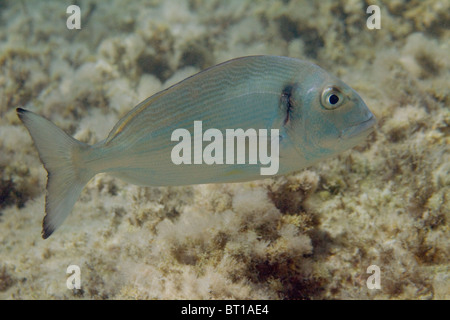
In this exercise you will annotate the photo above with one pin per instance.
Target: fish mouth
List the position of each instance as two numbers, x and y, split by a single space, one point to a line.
360 129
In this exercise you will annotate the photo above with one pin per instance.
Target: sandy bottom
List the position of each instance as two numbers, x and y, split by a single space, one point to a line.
309 235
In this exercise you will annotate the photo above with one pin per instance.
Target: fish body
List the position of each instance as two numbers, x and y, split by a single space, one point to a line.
314 114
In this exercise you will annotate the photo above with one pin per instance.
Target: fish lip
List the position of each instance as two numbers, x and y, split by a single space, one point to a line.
358 129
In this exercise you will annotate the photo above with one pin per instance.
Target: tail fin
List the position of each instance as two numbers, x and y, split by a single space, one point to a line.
61 157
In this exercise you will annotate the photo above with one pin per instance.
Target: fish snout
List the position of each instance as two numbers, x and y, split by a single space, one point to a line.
363 128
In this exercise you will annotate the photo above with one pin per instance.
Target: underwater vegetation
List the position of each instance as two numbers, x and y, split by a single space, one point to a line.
308 235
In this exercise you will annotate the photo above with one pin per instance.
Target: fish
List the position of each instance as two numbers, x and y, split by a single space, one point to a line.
314 116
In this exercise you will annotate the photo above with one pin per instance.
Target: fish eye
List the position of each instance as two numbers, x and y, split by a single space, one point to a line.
331 98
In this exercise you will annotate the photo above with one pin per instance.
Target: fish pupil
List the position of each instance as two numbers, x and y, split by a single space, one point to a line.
333 99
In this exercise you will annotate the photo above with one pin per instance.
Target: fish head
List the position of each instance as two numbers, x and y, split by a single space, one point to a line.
328 117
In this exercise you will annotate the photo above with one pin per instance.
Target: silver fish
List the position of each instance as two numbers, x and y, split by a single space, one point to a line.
316 115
